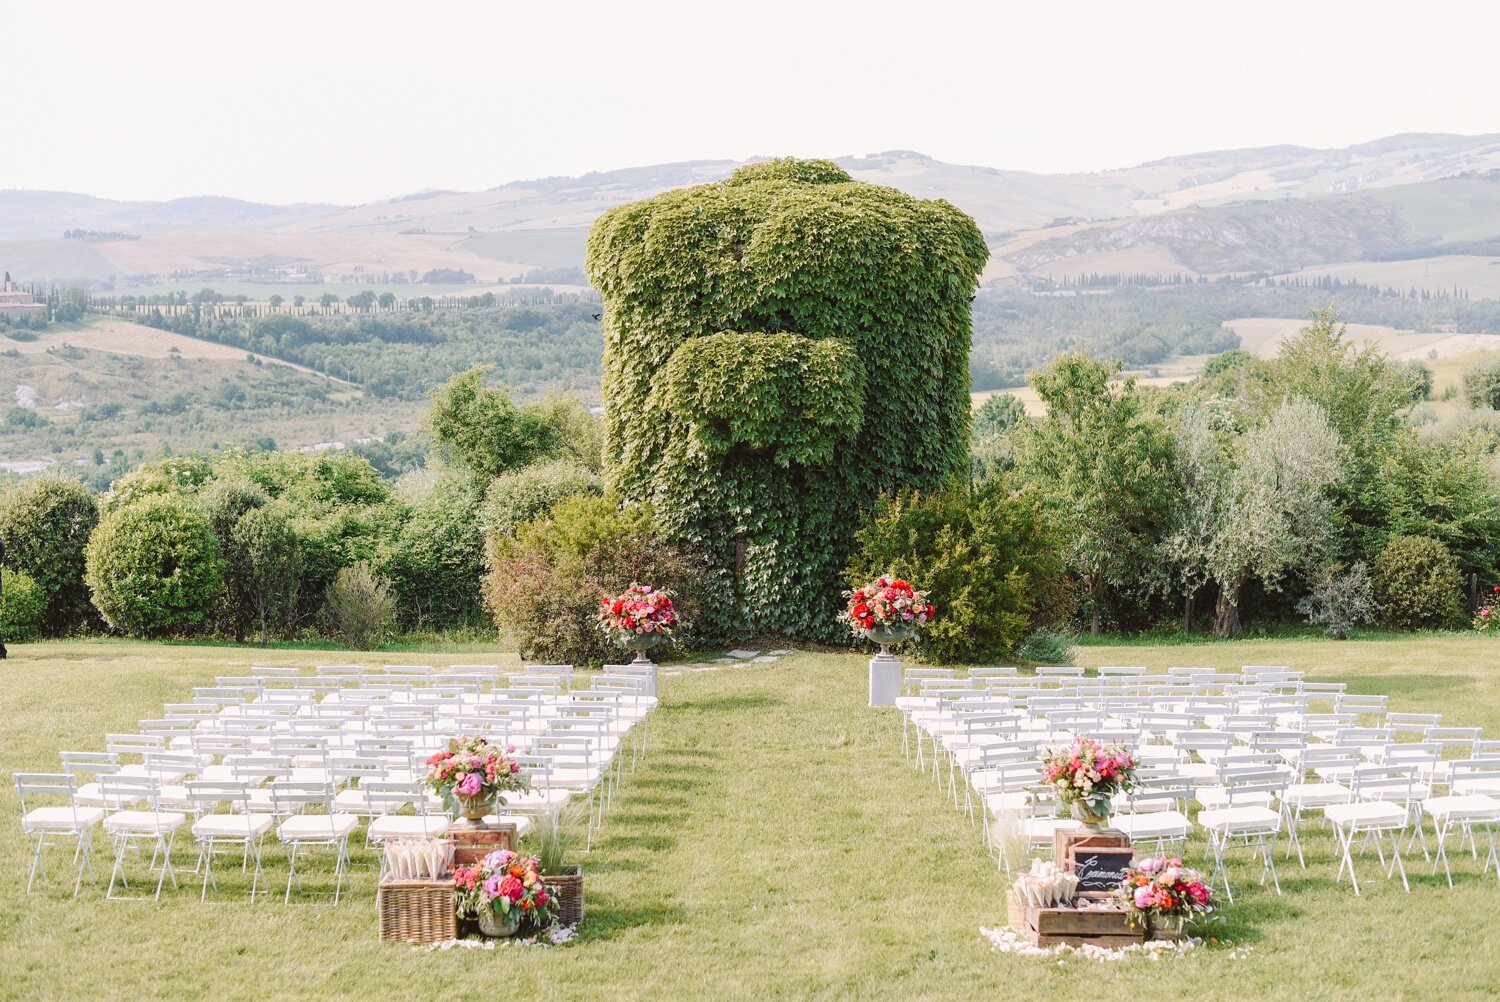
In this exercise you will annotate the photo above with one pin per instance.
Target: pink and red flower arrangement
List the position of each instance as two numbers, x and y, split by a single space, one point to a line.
473 768
502 882
1162 887
1090 773
640 611
891 603
1487 619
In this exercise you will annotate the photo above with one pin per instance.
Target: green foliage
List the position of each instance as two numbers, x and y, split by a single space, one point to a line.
435 562
225 502
358 607
1048 646
154 567
271 568
1226 362
544 585
985 557
861 291
999 413
1418 584
1103 464
529 493
1482 384
1421 380
1340 600
1444 488
483 428
796 400
23 608
45 522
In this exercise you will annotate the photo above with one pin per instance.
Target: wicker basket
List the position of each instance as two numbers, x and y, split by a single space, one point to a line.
567 889
417 911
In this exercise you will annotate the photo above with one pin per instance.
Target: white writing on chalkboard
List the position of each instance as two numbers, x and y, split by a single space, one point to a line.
1102 870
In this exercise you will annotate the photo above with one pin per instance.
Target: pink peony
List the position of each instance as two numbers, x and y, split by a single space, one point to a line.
495 886
470 785
510 887
1144 896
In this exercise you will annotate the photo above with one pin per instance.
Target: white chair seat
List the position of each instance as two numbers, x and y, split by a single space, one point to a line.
389 826
1462 807
317 826
1315 794
90 795
1365 813
1013 802
1215 797
537 801
143 822
1168 824
232 825
61 819
1041 829
1231 820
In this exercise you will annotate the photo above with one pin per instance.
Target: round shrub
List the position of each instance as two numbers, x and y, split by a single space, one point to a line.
358 607
779 348
544 585
45 522
154 567
529 493
985 558
23 608
1482 384
1417 584
436 560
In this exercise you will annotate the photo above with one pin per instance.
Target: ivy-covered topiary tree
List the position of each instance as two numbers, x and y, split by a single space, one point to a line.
780 348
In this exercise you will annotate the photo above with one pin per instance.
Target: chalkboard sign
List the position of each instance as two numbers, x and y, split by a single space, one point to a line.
1101 870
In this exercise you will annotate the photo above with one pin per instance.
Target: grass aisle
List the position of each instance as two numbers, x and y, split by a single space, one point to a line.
773 844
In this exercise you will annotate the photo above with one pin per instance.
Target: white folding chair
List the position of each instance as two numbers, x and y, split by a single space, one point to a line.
125 824
66 821
1245 818
1381 806
304 831
240 828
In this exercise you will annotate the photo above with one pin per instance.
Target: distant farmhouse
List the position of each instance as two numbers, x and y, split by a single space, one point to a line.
18 305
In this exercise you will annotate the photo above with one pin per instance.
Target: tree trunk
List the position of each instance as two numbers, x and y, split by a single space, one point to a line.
1096 596
1187 613
1227 611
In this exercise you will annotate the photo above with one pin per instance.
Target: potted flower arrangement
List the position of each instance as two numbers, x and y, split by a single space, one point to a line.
1162 895
639 619
1487 619
502 891
1086 775
887 612
473 775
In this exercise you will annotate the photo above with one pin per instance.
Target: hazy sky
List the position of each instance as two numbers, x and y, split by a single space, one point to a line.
326 100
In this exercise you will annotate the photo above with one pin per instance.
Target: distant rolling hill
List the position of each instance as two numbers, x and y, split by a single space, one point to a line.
1275 209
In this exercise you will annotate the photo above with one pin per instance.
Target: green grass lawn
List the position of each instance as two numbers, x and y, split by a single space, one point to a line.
773 844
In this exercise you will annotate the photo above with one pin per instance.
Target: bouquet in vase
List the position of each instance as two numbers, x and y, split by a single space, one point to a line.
641 616
503 887
890 607
1087 774
474 774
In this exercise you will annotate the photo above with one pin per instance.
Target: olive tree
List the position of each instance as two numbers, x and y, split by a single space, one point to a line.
1274 508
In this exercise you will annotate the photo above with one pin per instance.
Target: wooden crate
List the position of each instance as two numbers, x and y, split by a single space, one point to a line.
1080 927
473 843
417 911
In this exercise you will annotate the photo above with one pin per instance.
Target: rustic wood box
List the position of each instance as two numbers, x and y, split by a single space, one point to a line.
472 843
1081 927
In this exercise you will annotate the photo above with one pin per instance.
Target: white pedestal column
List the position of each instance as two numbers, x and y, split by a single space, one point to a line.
885 680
